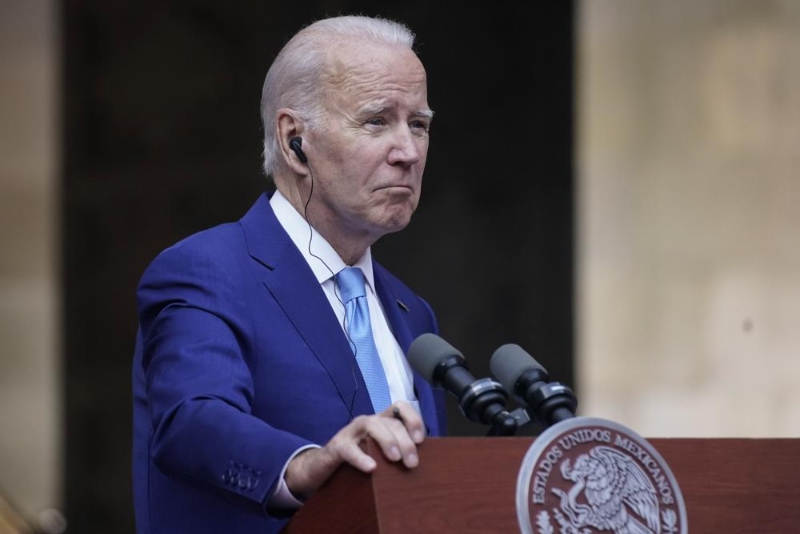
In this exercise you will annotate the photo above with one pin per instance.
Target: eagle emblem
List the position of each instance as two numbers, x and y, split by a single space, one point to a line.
610 492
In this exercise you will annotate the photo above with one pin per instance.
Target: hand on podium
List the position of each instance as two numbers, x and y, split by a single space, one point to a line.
397 430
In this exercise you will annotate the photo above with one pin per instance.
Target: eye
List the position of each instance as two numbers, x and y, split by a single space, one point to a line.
376 121
420 126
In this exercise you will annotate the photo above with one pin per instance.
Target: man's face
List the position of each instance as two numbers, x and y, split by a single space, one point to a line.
370 152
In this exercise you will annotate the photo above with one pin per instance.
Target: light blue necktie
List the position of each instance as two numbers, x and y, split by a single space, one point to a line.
351 284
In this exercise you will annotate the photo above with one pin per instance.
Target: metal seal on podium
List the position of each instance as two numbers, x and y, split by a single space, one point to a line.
586 475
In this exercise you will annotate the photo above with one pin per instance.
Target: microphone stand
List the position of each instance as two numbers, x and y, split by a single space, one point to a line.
484 401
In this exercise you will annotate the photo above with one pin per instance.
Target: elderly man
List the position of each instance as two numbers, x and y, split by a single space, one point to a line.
270 347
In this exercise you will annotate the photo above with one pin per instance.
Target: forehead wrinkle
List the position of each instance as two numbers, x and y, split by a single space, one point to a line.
373 100
377 82
380 106
381 93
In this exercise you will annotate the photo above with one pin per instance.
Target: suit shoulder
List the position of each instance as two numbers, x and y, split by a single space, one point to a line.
220 246
209 240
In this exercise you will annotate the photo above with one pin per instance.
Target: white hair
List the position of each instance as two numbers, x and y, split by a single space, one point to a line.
295 78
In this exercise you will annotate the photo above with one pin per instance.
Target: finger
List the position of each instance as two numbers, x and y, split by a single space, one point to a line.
410 418
394 440
345 445
354 455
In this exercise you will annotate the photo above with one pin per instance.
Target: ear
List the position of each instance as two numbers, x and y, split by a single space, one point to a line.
287 126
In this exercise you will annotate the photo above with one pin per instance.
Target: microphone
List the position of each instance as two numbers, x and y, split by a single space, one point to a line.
481 400
548 402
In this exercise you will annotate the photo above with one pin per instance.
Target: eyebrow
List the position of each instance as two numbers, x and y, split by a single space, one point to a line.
375 108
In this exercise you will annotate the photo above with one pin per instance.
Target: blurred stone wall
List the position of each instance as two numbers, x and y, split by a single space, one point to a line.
30 385
688 147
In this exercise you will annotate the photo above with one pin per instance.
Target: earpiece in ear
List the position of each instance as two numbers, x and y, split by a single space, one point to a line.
296 143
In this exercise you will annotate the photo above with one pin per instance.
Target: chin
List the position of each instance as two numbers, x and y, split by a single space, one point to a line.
394 223
393 218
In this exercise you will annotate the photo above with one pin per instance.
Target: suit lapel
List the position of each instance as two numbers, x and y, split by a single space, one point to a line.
289 279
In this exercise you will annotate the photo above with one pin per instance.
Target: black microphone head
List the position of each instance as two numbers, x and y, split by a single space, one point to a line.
428 351
509 362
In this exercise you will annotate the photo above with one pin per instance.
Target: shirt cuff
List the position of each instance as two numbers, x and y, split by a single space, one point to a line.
282 498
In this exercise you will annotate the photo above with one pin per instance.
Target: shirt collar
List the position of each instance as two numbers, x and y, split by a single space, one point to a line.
324 258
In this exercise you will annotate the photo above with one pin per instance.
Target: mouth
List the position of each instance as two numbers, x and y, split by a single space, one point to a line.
396 188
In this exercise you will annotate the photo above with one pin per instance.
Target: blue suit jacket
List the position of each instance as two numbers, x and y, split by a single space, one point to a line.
240 361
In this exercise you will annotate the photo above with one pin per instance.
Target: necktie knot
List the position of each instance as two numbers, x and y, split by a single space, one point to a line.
351 283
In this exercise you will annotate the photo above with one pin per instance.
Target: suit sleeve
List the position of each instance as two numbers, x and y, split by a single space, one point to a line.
197 361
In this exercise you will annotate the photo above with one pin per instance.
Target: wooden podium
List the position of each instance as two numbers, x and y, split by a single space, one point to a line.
468 485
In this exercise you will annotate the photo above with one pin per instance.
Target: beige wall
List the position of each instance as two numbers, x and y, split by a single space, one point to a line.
29 369
689 230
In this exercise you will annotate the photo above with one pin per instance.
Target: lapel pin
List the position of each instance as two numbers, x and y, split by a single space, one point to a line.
400 303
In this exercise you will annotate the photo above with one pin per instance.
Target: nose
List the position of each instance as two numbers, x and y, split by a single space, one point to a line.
407 147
